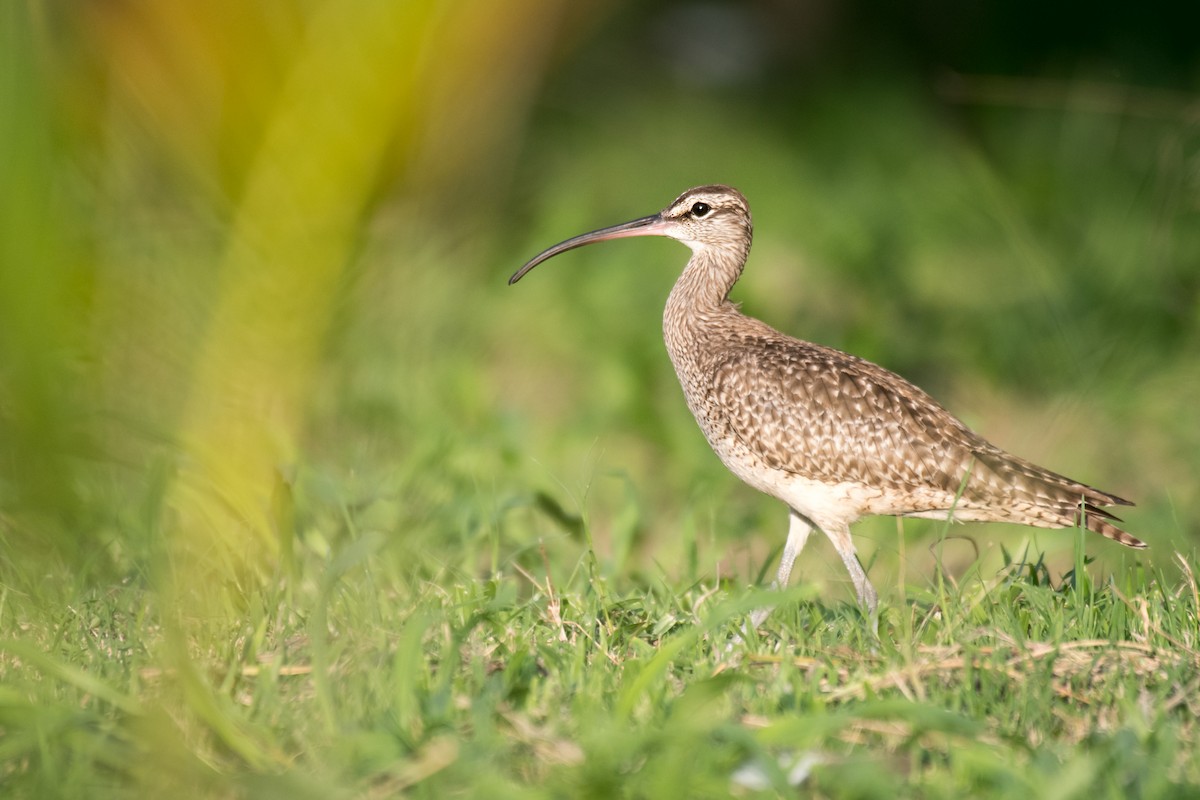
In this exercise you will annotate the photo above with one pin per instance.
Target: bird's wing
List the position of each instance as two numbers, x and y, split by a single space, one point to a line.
827 415
830 416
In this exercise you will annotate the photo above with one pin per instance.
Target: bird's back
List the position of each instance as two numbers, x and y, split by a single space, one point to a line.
827 416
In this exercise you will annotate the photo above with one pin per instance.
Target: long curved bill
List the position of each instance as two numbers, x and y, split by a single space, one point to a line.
653 225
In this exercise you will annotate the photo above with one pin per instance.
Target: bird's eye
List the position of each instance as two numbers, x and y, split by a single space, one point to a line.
700 209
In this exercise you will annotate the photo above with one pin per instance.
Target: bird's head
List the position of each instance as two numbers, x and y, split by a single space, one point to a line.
707 217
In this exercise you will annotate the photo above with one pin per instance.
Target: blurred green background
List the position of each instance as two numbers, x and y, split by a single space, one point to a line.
251 250
255 334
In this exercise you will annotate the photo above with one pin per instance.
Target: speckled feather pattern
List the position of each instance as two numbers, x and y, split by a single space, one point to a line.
827 416
835 437
773 406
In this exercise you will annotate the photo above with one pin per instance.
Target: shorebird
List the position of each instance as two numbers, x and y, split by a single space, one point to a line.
833 436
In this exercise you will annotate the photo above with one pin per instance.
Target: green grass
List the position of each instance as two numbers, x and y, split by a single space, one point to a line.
382 669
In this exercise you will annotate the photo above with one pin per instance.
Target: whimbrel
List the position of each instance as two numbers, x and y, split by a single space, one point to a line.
833 436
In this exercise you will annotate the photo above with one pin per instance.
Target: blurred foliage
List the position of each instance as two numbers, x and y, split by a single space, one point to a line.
238 233
242 237
218 165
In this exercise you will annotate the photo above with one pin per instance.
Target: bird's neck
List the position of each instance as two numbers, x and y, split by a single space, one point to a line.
708 278
699 300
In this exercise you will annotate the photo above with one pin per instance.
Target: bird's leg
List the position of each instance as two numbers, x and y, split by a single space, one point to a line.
798 530
867 598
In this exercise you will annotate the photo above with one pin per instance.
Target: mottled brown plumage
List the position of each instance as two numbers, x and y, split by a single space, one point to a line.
835 437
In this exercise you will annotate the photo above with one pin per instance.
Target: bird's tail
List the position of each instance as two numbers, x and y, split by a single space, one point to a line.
1056 501
1098 520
